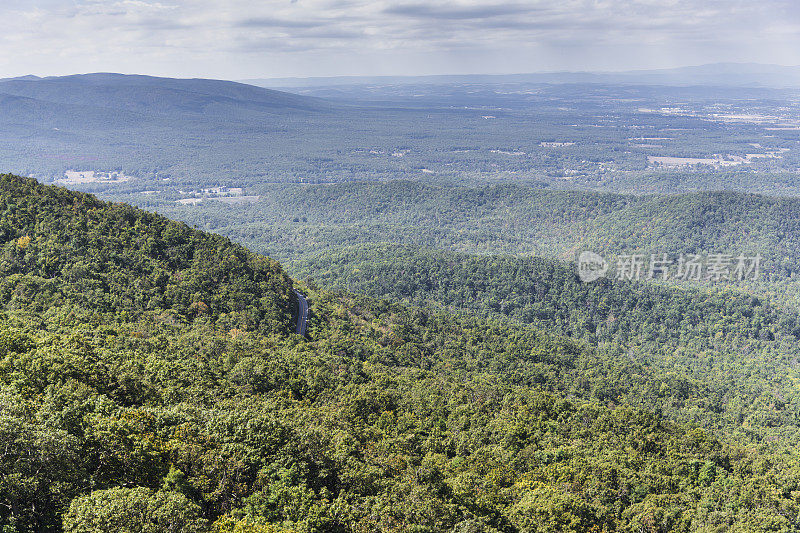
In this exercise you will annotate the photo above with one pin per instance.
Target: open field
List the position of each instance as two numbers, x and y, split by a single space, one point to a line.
76 177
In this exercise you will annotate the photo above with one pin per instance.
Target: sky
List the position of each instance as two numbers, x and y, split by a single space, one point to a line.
245 39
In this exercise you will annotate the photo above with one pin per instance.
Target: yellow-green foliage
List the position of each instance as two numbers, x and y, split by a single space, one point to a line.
125 413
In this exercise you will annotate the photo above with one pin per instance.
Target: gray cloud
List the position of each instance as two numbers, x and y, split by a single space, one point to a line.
455 12
245 39
271 22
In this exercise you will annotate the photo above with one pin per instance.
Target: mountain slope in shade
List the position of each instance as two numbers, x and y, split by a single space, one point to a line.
157 96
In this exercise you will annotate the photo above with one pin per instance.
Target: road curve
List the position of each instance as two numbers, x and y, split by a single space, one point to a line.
302 313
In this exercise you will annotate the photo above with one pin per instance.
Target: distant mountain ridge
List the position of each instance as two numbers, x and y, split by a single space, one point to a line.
715 74
153 95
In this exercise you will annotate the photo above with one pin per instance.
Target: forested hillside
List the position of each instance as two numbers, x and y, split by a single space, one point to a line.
720 358
548 293
290 221
157 387
63 248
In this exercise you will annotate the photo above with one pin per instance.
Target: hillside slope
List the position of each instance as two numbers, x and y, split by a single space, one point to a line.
125 405
510 219
727 360
62 248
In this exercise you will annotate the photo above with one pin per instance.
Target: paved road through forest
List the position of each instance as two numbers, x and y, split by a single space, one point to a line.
302 314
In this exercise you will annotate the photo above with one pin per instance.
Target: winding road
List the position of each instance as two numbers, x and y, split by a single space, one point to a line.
302 313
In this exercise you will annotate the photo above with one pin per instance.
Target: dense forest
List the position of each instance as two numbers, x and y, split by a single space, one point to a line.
719 358
292 222
149 381
548 293
62 248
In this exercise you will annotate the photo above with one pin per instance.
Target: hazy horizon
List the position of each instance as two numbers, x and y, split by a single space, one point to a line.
439 75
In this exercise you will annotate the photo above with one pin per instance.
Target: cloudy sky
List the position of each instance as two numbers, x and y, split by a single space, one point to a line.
238 39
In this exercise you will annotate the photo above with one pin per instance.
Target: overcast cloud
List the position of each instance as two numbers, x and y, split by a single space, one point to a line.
245 39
